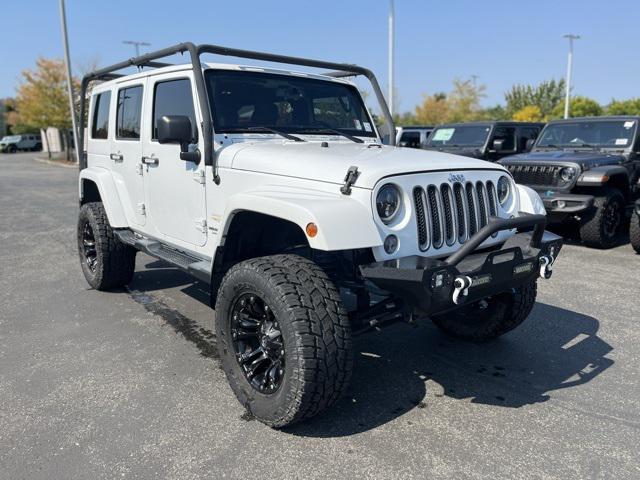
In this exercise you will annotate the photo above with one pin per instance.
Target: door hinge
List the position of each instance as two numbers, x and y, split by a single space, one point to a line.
201 225
141 209
139 169
199 176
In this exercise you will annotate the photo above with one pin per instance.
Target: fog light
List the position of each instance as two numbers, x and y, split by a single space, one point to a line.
390 244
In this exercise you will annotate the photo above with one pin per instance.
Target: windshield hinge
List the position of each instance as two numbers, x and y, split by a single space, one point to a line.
349 179
198 176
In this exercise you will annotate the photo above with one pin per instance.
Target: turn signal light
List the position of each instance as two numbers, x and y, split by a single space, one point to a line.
312 229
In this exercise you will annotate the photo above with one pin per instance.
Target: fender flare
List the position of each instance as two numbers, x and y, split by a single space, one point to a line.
103 180
530 201
598 176
352 228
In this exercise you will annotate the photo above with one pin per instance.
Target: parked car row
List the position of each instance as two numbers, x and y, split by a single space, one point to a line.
14 143
586 170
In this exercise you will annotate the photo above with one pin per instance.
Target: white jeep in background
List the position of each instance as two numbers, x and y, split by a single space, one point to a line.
25 142
274 188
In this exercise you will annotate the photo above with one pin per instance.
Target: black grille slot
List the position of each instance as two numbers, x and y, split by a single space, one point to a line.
459 198
436 225
482 207
449 233
471 208
491 194
418 198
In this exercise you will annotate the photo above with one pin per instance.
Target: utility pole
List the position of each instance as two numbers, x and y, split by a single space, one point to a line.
474 79
571 37
136 45
67 61
391 59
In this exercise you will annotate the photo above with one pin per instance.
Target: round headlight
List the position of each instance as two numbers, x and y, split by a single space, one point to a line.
504 190
568 174
388 202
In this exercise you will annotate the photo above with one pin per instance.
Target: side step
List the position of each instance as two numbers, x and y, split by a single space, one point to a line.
196 266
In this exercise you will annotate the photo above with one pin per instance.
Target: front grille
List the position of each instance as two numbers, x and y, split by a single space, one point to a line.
547 175
446 214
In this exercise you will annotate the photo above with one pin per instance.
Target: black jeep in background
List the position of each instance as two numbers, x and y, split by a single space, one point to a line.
586 170
484 140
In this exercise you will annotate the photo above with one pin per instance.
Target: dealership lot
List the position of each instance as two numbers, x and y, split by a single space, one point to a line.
126 384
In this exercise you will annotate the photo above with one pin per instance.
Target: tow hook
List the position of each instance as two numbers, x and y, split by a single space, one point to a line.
461 288
546 266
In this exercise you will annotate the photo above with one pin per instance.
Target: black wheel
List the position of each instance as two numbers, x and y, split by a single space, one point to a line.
601 227
634 232
489 318
38 147
12 149
106 262
283 338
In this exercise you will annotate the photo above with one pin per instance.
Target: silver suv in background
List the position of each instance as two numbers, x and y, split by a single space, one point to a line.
413 136
27 142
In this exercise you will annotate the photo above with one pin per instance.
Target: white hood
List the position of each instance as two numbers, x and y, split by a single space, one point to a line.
310 160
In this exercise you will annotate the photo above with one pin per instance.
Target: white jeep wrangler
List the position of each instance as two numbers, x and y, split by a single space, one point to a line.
274 188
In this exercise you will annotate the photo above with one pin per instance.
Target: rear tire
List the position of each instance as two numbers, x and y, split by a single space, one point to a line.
601 227
291 302
489 318
634 232
106 262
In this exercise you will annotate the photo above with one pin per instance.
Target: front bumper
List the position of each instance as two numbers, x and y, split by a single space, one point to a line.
565 203
431 286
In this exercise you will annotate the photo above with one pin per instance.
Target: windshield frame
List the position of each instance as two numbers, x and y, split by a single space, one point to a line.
482 146
633 137
11 138
353 90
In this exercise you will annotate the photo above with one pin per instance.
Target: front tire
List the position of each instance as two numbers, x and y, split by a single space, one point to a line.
489 318
283 337
601 227
106 262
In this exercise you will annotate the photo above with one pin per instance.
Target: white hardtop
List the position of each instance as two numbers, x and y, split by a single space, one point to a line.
217 66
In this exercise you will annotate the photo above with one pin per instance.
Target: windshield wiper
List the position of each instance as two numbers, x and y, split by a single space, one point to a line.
335 132
267 130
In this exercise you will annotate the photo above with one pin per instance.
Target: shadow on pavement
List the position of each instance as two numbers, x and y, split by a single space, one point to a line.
403 367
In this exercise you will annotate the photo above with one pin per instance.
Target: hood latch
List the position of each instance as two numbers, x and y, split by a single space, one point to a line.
349 179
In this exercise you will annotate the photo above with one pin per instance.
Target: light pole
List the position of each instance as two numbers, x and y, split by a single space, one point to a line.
136 45
391 59
571 37
65 41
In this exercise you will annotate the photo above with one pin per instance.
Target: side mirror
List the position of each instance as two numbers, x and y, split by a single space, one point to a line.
529 145
497 144
178 129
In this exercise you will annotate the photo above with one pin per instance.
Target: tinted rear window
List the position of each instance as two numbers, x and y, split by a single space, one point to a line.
128 113
100 124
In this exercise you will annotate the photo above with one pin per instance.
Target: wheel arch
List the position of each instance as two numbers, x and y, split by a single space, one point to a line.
97 185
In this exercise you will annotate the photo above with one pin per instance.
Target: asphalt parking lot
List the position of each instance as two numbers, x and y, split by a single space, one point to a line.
127 385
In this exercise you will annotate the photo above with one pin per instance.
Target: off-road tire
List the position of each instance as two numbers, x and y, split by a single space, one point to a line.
316 335
114 260
12 149
593 230
490 318
634 232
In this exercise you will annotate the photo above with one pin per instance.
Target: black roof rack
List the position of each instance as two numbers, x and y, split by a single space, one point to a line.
337 70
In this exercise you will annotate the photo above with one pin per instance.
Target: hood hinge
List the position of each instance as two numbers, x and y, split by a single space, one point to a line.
349 179
201 225
198 176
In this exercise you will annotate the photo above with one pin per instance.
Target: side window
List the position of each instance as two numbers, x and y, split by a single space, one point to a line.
410 139
173 97
527 133
128 113
508 137
100 123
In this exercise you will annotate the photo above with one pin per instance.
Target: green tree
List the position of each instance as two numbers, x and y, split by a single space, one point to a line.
464 101
624 107
530 113
41 99
546 96
579 107
497 112
433 110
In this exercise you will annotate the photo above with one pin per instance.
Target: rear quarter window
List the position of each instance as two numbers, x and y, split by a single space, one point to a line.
100 123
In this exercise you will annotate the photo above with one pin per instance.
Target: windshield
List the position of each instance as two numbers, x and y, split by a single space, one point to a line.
11 138
602 134
242 101
461 136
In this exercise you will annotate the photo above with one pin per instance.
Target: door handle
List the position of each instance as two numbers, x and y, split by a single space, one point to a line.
150 160
116 157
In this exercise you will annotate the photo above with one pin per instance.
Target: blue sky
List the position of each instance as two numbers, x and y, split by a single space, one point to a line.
503 42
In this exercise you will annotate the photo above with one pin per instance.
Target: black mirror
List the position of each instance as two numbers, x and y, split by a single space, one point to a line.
178 129
529 145
498 144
